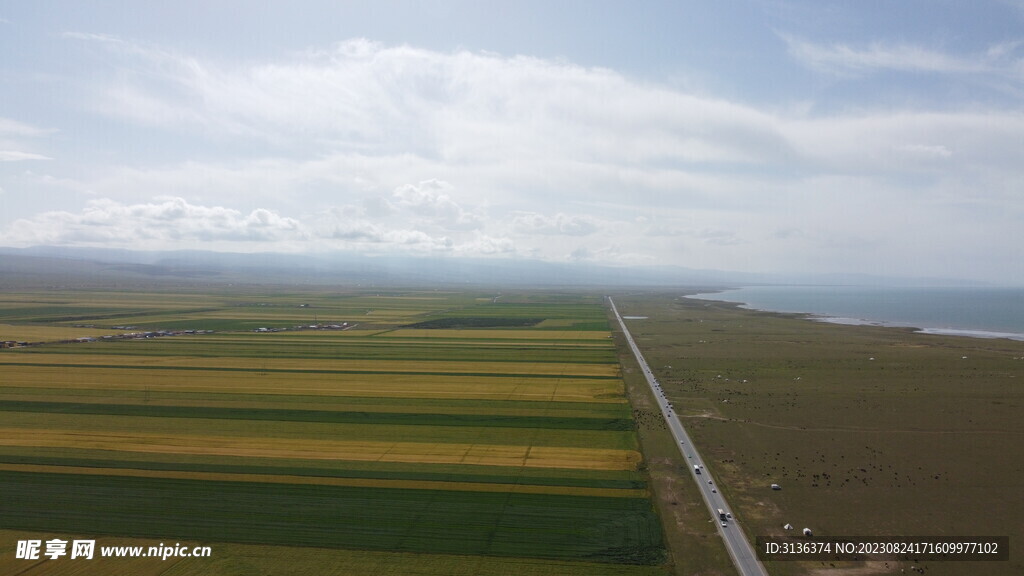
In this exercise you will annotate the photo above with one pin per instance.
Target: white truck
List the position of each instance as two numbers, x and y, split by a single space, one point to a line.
696 469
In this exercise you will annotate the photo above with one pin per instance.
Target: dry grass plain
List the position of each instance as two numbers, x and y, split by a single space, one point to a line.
869 430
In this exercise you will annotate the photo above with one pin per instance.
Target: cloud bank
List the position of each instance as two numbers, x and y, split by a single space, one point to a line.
373 147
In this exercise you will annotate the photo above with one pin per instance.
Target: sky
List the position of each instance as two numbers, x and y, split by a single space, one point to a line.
782 136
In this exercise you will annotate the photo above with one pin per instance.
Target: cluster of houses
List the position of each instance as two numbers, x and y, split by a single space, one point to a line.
342 326
140 335
162 333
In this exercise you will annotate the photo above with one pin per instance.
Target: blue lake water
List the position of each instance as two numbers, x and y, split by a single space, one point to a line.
979 312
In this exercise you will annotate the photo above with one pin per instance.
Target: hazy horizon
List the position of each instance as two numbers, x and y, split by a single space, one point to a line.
763 137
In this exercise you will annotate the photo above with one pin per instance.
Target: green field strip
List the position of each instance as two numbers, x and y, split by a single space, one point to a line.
258 370
237 559
609 530
324 416
321 472
326 338
574 324
463 322
202 347
488 335
277 429
370 404
627 479
358 337
586 312
66 314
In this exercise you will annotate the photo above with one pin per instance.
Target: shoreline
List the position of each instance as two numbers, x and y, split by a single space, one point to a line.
848 321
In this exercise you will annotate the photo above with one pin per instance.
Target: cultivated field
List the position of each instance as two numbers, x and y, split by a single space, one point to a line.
314 431
868 430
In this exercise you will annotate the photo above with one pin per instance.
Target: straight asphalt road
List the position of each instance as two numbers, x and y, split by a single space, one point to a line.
736 542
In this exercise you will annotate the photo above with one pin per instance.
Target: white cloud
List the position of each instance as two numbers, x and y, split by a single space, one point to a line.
518 132
842 58
372 237
559 224
998 62
174 221
104 222
484 245
719 236
10 127
462 109
581 254
430 200
604 254
890 144
92 37
926 150
16 156
357 231
1003 49
14 137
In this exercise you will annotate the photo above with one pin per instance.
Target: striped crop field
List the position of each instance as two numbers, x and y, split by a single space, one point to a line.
403 432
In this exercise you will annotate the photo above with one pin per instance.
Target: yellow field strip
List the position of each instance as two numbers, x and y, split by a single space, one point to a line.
334 481
566 389
357 336
249 337
49 333
313 449
437 298
408 366
297 315
475 334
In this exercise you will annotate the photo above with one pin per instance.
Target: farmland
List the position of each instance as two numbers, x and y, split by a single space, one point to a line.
451 432
868 430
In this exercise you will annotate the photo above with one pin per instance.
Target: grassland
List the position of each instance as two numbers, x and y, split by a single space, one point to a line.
869 431
497 432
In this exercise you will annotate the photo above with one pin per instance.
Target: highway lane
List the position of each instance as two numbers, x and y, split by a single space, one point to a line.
736 542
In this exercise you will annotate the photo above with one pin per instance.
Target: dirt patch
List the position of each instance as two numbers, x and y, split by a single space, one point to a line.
862 569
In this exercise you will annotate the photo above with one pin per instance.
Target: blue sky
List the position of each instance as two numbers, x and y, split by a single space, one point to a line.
772 136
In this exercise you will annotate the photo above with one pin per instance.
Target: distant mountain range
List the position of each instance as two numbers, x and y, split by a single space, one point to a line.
54 265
